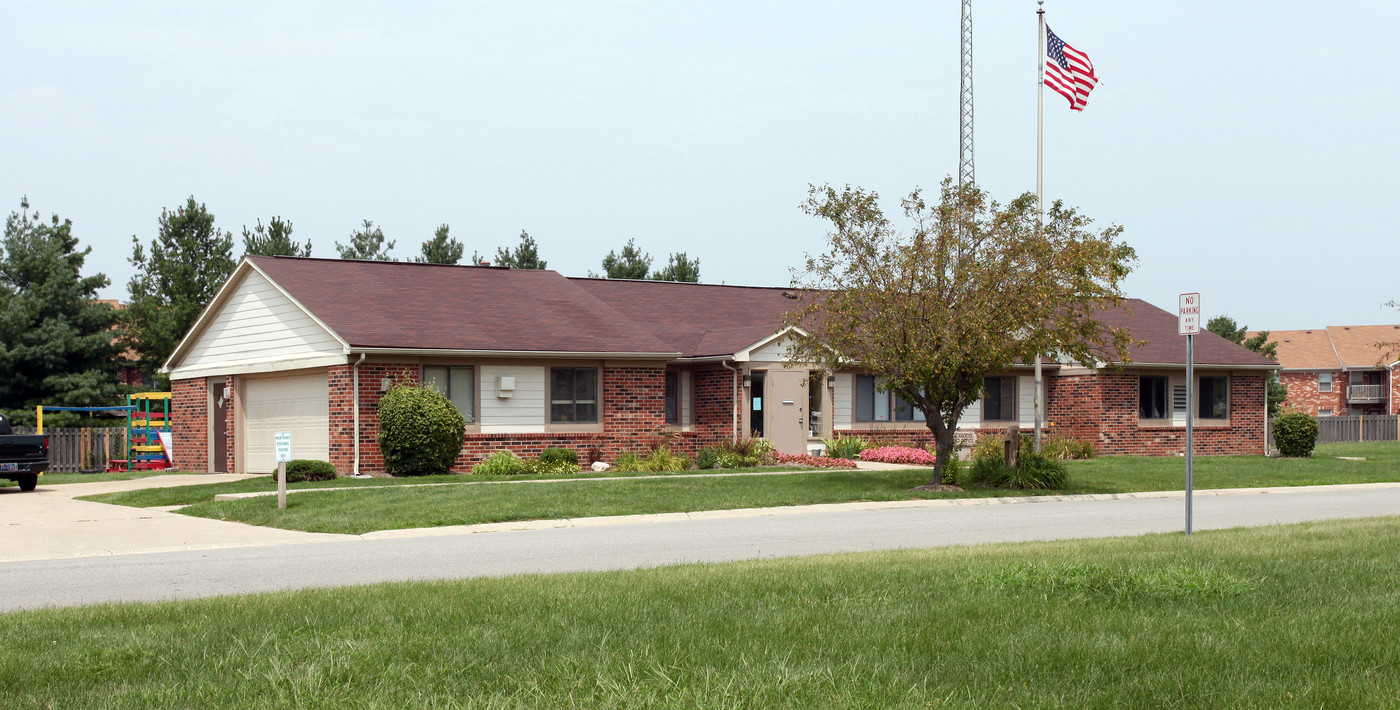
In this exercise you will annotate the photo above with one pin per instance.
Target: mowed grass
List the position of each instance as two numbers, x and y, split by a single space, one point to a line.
1298 616
51 478
399 503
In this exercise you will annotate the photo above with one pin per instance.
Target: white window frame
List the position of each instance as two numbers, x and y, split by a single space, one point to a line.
1321 382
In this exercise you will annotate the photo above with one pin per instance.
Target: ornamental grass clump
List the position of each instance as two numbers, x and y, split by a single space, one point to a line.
845 447
420 431
899 454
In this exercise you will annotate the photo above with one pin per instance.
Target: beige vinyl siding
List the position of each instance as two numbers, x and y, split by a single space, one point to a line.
775 351
261 328
1025 404
972 416
521 413
841 404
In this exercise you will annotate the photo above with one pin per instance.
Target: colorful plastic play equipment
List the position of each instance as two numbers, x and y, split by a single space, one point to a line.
148 419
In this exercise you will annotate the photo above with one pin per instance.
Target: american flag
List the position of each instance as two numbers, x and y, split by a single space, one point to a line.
1068 71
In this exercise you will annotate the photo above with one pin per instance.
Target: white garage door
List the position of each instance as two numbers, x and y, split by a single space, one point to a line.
299 404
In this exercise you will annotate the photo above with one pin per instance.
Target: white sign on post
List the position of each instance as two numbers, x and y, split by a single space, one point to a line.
282 444
1189 315
282 447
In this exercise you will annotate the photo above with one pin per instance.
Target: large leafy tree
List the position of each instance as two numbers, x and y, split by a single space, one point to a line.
679 268
366 244
1225 327
632 263
526 254
273 240
441 249
55 336
178 275
973 288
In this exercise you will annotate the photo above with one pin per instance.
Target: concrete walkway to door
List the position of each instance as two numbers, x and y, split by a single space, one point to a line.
48 523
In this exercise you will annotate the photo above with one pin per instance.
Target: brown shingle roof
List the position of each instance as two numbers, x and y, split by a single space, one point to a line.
1163 346
435 307
1357 344
1303 349
697 320
377 304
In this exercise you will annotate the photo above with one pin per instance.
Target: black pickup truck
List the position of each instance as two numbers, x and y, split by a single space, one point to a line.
22 458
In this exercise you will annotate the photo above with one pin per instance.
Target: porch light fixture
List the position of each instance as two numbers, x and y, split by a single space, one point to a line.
383 385
748 381
831 380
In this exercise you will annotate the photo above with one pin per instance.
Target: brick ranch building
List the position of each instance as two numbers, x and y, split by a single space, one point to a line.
533 359
1340 370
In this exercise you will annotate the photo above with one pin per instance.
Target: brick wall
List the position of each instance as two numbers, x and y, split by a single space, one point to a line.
189 423
633 414
1302 392
1103 408
1394 401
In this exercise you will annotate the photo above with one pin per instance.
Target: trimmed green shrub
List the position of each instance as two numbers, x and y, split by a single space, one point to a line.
1295 434
706 458
554 455
500 463
988 446
548 468
1032 471
744 453
308 470
420 431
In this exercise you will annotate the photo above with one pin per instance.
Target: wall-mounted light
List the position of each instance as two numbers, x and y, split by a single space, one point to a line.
384 385
831 380
748 381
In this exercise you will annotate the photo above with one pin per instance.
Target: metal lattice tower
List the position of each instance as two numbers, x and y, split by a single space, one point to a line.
965 171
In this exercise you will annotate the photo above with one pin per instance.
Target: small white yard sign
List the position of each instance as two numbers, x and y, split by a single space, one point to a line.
1189 315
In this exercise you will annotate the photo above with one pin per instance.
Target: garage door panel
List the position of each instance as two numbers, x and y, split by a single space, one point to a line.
299 404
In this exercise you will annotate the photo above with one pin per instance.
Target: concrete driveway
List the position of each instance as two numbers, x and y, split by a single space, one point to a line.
49 524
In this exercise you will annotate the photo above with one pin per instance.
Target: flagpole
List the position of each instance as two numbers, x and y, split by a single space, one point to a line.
1039 191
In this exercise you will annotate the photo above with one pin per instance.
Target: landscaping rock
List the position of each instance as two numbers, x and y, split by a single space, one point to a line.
600 466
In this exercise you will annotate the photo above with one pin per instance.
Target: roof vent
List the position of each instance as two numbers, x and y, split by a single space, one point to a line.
484 263
790 295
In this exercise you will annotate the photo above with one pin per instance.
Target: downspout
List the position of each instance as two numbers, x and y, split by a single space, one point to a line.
734 410
355 402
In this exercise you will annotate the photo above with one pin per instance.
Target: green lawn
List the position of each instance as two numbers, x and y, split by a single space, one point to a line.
51 478
403 505
1298 616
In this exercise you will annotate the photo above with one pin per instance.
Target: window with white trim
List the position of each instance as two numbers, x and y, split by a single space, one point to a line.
1324 382
1324 412
457 384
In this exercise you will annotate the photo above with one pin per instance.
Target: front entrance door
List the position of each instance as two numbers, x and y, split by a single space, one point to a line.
219 464
785 415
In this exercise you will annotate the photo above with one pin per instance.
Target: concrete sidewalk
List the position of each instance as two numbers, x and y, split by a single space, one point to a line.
49 524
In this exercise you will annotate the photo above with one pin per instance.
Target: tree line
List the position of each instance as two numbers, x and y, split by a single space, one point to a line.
60 345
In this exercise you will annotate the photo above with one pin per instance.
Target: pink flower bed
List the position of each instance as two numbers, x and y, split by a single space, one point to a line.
817 461
899 454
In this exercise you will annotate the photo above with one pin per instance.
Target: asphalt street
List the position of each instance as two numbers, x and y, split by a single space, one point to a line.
649 541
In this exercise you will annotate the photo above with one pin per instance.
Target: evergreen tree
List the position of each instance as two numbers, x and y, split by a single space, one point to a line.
273 240
186 264
366 244
55 336
631 264
525 256
679 268
441 249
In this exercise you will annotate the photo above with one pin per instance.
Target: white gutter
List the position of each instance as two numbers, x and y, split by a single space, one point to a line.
734 410
355 402
517 353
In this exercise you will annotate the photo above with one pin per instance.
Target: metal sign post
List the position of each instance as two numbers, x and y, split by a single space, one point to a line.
282 445
1189 324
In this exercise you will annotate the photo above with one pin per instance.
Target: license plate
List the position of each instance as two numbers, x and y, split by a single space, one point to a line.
9 467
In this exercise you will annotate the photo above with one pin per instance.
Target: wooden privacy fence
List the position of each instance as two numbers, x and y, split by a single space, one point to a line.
72 450
1331 430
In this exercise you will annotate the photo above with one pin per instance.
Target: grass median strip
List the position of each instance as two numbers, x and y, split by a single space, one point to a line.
1224 619
404 503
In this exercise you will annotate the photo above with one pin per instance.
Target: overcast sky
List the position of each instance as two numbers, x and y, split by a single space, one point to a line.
1249 149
